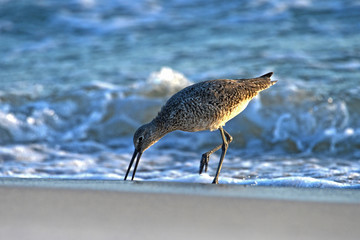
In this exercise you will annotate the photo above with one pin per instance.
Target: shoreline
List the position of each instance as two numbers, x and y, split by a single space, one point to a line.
111 209
336 195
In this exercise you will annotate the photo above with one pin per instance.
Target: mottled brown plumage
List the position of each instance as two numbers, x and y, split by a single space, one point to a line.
203 106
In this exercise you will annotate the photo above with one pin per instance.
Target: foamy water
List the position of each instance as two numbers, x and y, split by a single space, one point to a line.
79 77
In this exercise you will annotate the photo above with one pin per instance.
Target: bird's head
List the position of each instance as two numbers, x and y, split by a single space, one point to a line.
144 137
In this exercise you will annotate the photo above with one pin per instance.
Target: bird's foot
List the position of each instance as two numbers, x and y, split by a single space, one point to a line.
204 162
215 181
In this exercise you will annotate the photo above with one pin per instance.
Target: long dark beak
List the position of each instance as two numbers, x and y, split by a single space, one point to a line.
138 153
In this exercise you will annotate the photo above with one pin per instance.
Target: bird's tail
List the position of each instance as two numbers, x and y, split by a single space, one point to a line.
258 84
268 76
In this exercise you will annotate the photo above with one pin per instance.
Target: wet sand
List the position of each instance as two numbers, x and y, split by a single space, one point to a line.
90 209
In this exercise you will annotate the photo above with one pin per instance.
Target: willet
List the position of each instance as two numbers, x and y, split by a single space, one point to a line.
203 106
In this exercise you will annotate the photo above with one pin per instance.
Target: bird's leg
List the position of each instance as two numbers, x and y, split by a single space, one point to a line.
204 162
223 152
206 156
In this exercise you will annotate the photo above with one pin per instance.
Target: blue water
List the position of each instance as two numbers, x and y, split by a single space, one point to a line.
78 77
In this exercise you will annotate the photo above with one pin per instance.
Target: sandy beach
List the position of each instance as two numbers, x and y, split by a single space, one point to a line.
89 209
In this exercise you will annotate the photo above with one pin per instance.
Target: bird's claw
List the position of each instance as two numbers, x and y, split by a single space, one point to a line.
204 163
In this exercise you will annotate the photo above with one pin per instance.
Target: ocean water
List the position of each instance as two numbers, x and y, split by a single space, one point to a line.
78 77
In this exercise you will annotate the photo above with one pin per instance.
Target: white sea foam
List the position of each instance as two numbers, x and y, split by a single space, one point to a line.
162 83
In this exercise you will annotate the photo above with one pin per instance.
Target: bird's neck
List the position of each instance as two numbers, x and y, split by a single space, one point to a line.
158 128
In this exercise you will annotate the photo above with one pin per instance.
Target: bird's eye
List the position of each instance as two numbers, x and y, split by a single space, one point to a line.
140 139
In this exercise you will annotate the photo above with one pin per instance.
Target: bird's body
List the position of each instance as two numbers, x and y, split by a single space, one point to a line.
203 106
208 105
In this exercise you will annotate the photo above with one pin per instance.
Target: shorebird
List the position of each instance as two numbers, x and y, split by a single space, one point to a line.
202 106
